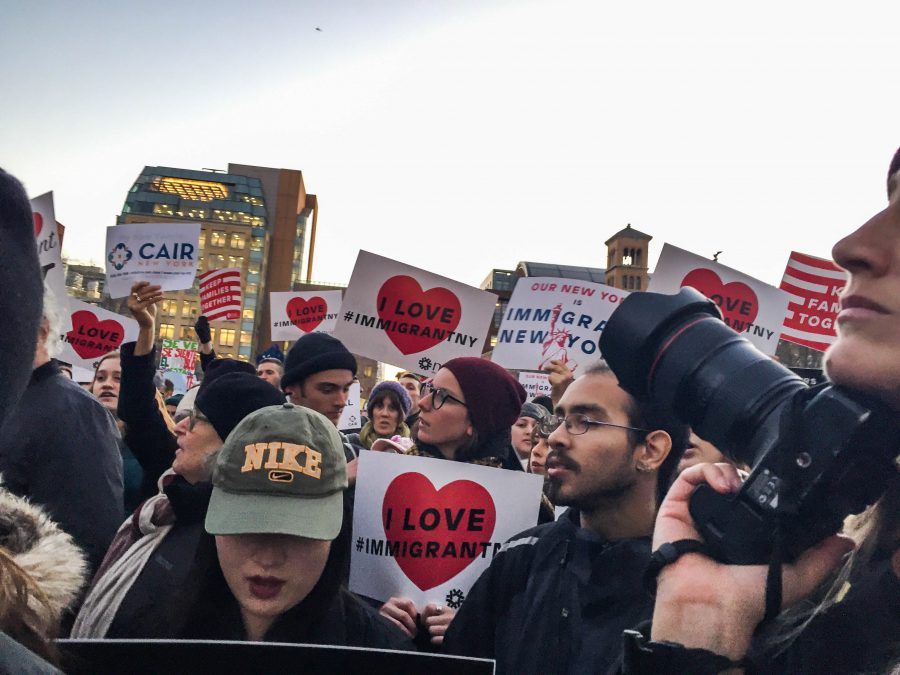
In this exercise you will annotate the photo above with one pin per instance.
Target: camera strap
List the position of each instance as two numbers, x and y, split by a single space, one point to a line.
787 470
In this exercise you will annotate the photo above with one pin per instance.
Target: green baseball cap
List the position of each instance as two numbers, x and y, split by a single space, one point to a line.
281 471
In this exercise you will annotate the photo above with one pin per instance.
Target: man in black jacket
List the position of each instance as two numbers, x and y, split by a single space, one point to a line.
557 597
58 447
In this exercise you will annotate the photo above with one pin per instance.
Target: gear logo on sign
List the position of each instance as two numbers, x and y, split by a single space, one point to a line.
119 256
425 363
455 598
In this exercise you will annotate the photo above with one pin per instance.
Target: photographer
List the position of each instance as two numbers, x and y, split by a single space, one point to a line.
835 618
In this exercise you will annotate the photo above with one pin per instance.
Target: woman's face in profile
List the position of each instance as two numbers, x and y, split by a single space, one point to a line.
866 355
268 574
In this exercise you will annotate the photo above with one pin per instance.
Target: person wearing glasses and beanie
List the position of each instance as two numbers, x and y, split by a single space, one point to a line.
557 597
465 415
387 407
160 555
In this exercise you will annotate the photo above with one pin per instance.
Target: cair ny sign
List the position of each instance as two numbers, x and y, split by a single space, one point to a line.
161 253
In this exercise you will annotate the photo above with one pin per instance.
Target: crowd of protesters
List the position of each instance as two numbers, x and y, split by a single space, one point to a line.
127 511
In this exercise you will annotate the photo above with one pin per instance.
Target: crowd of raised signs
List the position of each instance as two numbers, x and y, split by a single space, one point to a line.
459 517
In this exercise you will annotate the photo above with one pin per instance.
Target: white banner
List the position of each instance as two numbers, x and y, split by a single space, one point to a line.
751 307
161 253
549 318
49 249
90 332
352 415
535 384
427 528
296 313
411 318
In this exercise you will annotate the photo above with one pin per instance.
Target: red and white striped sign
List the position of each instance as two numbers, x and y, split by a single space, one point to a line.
814 285
220 294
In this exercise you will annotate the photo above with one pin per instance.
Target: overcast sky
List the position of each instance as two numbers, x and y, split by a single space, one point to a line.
464 135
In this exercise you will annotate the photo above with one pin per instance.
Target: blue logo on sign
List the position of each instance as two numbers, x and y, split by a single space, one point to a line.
119 256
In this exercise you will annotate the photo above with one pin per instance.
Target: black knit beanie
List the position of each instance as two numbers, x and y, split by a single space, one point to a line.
493 396
21 297
313 353
229 398
219 367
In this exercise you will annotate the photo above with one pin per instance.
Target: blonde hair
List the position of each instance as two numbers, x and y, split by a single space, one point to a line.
26 614
53 315
167 418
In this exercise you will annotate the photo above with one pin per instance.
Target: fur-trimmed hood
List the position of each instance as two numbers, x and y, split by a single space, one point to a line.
43 550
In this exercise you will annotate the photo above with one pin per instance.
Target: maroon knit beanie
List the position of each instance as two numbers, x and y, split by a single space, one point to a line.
493 396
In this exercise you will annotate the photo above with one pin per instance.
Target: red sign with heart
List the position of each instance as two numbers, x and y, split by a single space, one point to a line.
92 338
461 512
38 223
307 314
737 301
402 302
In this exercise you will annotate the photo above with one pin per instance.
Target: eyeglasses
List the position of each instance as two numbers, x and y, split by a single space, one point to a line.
577 424
194 417
439 395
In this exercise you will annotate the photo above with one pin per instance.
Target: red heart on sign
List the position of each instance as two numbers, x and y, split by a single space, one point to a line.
445 526
736 300
307 314
92 338
38 223
434 313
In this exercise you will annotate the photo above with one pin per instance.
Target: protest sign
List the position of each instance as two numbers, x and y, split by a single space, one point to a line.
49 248
296 313
220 294
426 528
171 657
411 318
161 253
814 285
351 417
535 384
177 363
549 318
89 332
754 309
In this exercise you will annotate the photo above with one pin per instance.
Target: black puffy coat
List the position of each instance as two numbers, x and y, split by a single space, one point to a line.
554 600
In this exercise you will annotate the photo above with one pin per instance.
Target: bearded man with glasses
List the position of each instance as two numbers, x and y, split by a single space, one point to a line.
557 597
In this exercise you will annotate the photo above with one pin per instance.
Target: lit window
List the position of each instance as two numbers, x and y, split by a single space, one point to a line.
167 330
252 289
169 307
218 239
187 332
202 239
238 241
248 313
235 261
185 309
195 190
246 337
226 337
256 243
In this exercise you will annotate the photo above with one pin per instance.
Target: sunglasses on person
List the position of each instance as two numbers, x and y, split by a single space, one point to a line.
577 424
439 395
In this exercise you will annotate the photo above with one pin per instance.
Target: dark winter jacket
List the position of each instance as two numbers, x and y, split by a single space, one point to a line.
58 448
156 606
146 433
554 600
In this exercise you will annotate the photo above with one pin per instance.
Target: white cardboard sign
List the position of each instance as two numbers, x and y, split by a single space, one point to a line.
296 313
549 318
161 253
752 308
411 318
427 528
89 332
49 249
352 414
535 384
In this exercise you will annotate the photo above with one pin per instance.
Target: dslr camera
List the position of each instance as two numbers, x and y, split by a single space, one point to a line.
817 454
